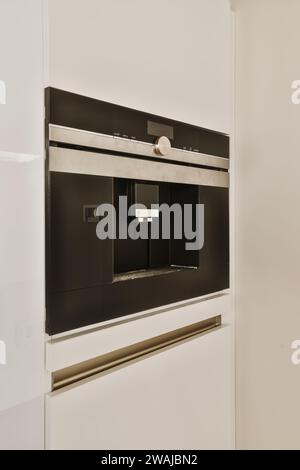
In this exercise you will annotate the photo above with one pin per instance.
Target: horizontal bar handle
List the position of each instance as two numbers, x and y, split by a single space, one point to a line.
65 160
82 138
75 373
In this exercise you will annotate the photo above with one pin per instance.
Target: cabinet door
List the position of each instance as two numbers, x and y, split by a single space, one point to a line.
178 398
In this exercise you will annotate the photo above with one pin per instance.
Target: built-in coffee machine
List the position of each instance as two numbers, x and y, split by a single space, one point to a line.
137 212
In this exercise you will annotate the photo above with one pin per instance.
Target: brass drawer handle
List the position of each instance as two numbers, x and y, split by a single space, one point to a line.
75 373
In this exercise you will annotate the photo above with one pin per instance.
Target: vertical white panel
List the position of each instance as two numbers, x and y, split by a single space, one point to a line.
267 223
22 224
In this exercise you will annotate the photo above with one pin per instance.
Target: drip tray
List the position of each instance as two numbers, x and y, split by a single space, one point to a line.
130 275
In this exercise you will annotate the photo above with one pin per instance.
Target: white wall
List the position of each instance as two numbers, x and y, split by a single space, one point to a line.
169 57
268 223
22 225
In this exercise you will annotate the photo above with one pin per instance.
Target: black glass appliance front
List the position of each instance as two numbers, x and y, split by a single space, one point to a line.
91 280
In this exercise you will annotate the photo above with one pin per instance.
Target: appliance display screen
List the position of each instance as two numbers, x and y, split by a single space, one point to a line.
154 128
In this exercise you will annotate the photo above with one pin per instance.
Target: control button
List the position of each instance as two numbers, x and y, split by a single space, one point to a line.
162 146
90 214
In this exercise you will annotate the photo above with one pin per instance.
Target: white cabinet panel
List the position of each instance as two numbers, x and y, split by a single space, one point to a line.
267 268
22 302
179 398
165 57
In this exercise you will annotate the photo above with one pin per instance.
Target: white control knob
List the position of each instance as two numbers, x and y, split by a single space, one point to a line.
162 146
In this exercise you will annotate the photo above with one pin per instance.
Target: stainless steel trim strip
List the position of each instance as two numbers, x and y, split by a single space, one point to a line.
90 163
75 373
68 135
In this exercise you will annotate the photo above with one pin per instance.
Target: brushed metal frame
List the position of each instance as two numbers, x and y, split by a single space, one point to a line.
83 370
66 160
69 135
